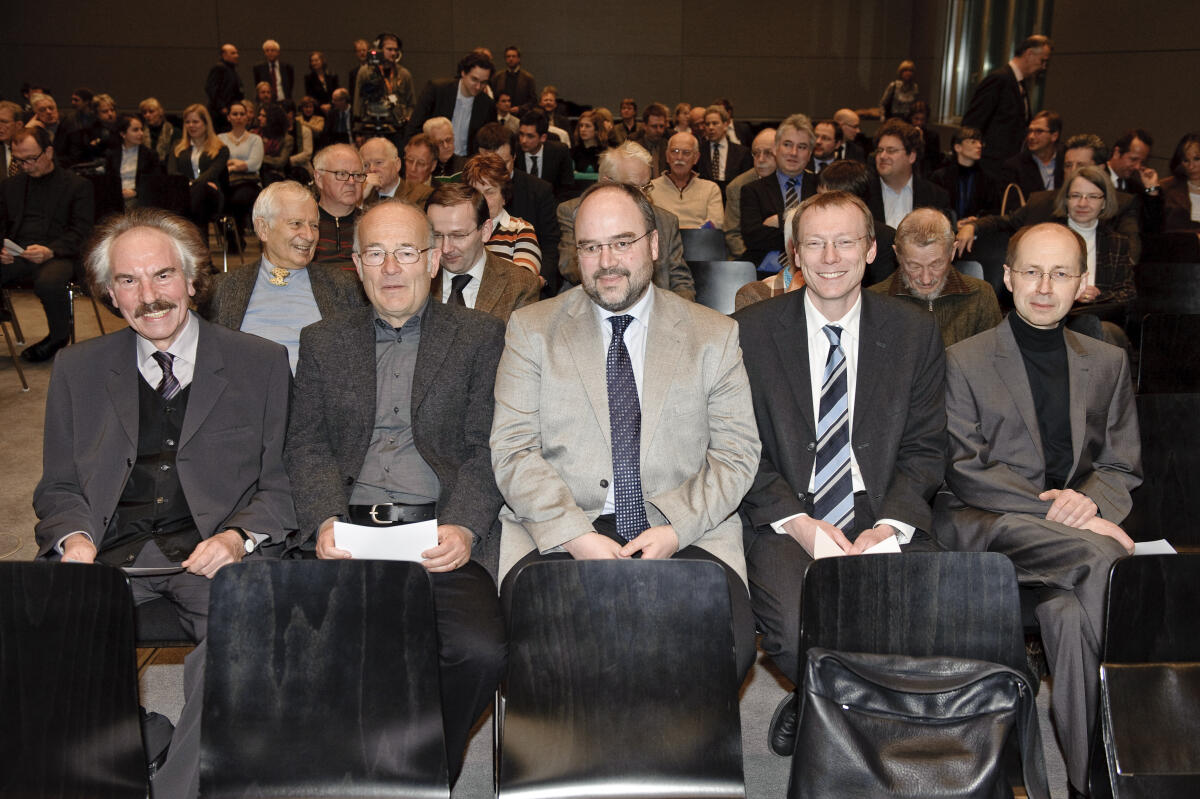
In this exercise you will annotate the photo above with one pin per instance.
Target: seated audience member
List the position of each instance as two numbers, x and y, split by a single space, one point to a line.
972 191
281 293
762 150
677 497
898 189
420 156
511 237
338 127
309 116
931 156
473 273
244 164
586 144
766 200
680 190
628 127
300 160
1038 167
429 460
320 83
1043 455
441 131
1127 168
548 160
852 134
696 121
10 123
278 143
463 100
130 165
738 132
630 164
605 126
382 162
654 135
852 177
827 144
160 133
682 116
47 210
902 94
338 175
45 115
263 96
878 459
961 304
202 158
1181 191
504 111
721 160
95 138
223 495
556 115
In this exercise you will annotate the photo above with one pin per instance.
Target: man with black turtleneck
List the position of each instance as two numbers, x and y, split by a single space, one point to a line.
1044 452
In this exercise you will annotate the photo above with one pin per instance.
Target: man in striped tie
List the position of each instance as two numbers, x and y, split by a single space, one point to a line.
848 397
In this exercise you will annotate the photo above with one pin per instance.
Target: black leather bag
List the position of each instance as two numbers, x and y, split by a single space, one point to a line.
891 725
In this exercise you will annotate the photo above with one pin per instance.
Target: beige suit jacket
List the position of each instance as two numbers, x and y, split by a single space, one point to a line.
551 444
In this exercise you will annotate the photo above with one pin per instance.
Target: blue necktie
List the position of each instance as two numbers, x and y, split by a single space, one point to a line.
625 420
833 499
168 387
790 201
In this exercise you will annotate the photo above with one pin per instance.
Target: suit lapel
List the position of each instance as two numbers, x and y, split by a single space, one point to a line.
357 352
664 342
491 287
242 289
1011 367
208 383
1079 375
790 334
872 364
579 335
439 329
122 383
322 289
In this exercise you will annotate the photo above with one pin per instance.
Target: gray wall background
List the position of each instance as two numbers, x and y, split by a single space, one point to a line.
1113 67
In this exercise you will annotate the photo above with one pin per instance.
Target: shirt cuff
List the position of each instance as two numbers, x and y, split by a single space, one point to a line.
904 532
58 546
778 526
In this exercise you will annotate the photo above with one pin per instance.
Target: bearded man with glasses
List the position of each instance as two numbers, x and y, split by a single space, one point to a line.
340 177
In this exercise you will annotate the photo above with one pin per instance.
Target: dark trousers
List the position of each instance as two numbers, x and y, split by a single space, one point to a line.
187 592
776 565
50 281
203 201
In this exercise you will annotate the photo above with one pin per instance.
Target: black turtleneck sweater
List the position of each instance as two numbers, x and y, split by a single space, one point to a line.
1045 356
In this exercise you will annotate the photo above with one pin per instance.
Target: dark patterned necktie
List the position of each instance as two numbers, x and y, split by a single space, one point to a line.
533 170
168 387
716 161
625 419
457 284
790 200
833 498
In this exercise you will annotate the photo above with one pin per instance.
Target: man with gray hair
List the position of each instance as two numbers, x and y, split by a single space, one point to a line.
962 305
441 130
339 176
276 74
680 190
282 293
382 162
768 199
630 163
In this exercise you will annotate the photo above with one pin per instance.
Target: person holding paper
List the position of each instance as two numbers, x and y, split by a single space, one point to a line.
1044 452
389 425
849 398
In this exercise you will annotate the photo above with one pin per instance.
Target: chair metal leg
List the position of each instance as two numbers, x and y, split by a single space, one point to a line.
96 310
12 352
16 323
71 308
497 739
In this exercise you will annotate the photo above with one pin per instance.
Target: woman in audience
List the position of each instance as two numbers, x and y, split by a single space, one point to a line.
130 164
900 94
683 118
512 237
320 83
1181 191
200 157
585 144
245 164
278 143
310 118
931 159
606 132
160 133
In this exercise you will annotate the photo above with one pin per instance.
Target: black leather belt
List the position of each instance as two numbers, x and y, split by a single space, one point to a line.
397 513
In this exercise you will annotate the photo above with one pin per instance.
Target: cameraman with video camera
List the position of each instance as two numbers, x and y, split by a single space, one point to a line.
383 93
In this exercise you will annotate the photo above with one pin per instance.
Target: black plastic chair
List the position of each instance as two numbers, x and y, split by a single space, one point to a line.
321 680
1168 358
703 244
9 318
68 683
717 282
1170 428
1167 288
1150 677
621 682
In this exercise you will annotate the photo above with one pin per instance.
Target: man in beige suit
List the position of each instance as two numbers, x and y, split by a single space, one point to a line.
641 452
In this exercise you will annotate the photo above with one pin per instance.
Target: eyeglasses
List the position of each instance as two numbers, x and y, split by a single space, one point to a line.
455 238
893 151
403 255
28 161
343 175
841 245
592 249
1038 131
677 151
1076 197
1034 276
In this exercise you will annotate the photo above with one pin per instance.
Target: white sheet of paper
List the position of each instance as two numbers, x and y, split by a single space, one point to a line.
825 548
13 247
401 542
1159 547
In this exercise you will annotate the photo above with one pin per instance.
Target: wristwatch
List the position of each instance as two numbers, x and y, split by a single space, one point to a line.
247 540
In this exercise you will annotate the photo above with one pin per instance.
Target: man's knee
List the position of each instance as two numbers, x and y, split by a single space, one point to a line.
52 278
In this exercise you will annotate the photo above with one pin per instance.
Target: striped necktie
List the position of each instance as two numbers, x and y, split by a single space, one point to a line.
168 387
833 499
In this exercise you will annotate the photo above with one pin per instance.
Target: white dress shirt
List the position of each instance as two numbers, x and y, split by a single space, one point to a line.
471 290
896 204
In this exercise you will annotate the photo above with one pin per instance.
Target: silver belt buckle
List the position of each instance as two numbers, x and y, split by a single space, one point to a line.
375 518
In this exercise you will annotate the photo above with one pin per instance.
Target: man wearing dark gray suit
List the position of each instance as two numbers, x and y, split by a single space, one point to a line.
389 424
282 293
1044 452
849 398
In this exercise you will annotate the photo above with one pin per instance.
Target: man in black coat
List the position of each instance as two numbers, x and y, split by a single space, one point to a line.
462 100
280 76
547 159
223 87
1000 105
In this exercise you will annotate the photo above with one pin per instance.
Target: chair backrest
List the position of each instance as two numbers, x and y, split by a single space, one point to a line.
703 244
621 682
1167 288
331 668
970 268
68 683
1170 426
1152 610
1169 361
169 192
717 282
953 604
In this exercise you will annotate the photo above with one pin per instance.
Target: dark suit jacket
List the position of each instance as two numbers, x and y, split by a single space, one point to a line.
760 200
533 201
223 86
851 151
925 194
998 109
336 133
334 289
230 456
437 100
520 87
504 288
898 423
557 168
1023 170
737 160
148 165
314 89
1177 206
333 413
70 216
212 169
985 193
262 74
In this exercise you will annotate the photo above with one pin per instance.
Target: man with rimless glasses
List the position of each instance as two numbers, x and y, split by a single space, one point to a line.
389 424
340 176
1044 452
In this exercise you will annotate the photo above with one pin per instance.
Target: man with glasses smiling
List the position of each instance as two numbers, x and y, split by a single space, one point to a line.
1039 165
339 175
389 424
1044 452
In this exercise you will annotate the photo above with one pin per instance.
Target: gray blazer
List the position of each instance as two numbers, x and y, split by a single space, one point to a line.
551 440
333 288
230 455
333 413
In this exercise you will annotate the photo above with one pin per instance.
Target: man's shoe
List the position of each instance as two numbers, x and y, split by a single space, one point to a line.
44 350
782 735
1075 793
